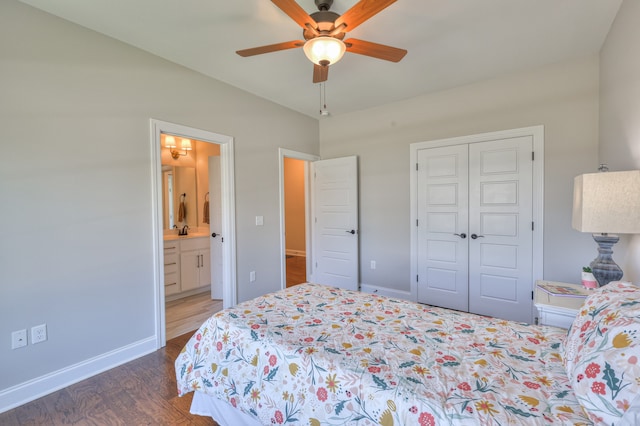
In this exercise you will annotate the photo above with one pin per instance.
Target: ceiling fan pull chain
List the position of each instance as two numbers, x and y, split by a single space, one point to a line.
323 99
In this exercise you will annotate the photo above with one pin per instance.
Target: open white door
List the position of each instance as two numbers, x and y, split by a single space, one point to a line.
215 226
335 222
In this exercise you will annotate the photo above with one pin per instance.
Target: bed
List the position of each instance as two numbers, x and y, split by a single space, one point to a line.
318 355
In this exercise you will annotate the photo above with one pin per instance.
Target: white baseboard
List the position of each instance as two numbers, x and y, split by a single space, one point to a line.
301 253
388 292
40 386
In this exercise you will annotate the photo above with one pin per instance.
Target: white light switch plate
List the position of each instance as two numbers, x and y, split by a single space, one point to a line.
259 220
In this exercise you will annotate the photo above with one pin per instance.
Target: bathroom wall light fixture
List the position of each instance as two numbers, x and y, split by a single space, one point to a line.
170 144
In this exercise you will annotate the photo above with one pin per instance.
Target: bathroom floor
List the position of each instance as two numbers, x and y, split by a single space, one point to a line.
187 314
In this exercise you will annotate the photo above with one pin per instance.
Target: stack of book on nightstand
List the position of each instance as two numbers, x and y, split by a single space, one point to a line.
557 289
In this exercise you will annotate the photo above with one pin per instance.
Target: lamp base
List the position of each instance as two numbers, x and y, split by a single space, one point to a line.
604 268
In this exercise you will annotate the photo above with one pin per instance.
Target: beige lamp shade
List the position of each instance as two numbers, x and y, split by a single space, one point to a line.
169 142
186 144
607 202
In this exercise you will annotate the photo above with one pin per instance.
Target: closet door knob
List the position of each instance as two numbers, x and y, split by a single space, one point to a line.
213 235
463 235
351 232
474 236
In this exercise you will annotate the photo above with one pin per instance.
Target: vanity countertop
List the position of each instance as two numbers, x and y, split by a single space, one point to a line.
171 237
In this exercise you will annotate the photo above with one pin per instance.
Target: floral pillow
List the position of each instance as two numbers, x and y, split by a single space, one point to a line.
602 355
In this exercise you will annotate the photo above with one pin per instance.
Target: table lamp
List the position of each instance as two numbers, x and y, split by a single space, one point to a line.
606 204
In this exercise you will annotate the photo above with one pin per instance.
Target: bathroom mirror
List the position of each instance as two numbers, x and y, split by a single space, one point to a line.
179 187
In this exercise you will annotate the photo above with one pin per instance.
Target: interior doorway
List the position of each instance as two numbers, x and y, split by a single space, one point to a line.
191 216
295 238
295 221
198 250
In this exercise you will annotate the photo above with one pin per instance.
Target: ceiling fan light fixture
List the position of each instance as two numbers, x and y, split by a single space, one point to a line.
324 50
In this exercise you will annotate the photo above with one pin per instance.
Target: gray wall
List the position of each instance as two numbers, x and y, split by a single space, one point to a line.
562 97
75 184
620 114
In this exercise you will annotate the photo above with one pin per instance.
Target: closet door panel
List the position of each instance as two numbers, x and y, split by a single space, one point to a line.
443 213
500 216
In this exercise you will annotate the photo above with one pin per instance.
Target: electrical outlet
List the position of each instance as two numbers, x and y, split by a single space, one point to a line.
373 264
252 276
259 220
18 339
38 333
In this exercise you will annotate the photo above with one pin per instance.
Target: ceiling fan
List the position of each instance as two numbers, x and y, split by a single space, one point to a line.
324 31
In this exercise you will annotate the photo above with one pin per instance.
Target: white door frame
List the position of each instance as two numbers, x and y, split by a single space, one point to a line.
228 215
537 134
282 153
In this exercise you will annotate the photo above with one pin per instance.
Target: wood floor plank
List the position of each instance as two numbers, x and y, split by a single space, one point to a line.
296 270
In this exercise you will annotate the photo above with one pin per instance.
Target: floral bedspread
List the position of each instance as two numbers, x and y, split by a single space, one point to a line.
317 355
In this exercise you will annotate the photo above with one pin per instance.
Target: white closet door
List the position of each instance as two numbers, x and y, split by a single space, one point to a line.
500 215
475 227
442 227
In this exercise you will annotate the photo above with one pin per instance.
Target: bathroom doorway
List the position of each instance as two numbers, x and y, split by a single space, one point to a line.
191 217
189 265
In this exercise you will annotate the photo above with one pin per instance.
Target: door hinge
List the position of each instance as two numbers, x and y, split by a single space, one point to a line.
533 156
533 226
531 294
417 278
416 166
417 222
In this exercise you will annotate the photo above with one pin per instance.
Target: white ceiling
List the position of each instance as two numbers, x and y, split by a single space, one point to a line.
450 43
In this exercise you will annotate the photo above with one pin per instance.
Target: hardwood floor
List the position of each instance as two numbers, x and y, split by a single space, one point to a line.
141 392
189 313
296 270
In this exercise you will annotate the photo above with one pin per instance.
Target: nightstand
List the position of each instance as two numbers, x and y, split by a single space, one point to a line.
558 311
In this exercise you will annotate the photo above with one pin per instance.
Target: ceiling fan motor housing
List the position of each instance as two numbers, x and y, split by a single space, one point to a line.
325 20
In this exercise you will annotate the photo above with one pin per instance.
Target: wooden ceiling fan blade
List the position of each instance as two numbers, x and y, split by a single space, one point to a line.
270 48
320 73
375 50
362 11
296 13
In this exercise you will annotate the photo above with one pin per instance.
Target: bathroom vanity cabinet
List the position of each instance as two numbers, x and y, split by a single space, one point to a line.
195 264
187 266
